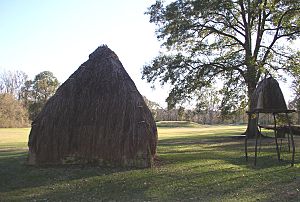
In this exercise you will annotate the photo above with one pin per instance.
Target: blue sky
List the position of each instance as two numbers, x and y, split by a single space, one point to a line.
58 36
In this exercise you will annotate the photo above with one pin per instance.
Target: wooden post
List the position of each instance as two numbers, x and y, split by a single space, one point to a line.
256 139
246 142
260 134
292 139
276 141
289 132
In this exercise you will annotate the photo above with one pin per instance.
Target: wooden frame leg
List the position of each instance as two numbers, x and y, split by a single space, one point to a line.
292 139
256 140
246 148
276 141
260 134
288 136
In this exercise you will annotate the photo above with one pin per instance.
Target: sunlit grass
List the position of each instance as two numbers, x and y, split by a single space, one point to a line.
14 136
204 163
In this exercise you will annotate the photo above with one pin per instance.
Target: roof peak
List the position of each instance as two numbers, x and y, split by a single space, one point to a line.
102 52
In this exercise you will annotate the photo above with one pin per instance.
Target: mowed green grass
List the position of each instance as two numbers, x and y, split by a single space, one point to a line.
197 163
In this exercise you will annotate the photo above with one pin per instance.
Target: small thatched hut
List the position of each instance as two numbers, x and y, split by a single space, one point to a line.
96 116
268 97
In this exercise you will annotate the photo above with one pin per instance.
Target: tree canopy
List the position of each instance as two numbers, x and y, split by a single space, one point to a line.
22 99
295 72
238 41
35 93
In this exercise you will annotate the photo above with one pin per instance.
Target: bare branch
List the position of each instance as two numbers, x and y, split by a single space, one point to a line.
222 33
276 35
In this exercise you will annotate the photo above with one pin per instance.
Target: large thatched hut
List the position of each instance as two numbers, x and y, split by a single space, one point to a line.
96 116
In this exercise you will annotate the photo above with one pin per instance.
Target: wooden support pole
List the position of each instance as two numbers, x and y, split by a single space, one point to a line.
275 132
246 148
256 140
289 133
292 139
246 141
260 134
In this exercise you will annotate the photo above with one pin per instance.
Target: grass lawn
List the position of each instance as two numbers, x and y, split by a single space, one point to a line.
195 163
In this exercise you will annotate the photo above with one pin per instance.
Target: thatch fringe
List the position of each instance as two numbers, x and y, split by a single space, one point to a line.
96 116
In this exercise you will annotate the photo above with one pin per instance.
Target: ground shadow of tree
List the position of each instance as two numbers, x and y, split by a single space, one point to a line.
190 168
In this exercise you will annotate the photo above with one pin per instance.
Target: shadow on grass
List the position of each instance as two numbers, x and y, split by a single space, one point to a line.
223 148
16 174
190 168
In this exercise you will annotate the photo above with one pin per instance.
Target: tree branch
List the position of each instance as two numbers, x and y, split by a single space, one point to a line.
222 33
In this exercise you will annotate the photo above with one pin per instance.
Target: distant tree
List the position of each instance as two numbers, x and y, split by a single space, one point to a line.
36 93
233 100
153 106
205 40
294 66
44 86
26 92
208 101
181 113
12 112
12 81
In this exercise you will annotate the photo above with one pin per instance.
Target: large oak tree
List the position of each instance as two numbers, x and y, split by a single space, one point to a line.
239 41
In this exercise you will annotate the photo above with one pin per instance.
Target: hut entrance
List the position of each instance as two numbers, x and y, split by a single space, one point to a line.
268 99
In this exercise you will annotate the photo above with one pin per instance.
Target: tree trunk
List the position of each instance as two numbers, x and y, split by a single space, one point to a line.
298 110
252 127
252 120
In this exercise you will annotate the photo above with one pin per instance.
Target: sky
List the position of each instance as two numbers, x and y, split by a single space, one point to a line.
59 35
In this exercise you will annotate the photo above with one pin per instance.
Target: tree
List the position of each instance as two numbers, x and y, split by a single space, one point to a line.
207 103
181 113
153 107
44 86
36 93
233 101
294 66
235 40
12 112
11 82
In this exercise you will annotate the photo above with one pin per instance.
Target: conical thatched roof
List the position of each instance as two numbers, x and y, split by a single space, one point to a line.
96 116
268 97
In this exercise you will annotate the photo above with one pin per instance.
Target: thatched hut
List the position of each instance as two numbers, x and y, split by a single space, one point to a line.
268 97
96 116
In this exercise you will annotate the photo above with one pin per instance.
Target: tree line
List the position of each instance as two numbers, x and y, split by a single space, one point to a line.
21 99
212 110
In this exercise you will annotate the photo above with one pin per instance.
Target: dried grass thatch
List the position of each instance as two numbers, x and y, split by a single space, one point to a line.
268 97
96 116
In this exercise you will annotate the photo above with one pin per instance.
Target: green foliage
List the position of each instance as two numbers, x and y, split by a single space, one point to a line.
194 164
237 41
12 112
44 86
36 93
294 66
